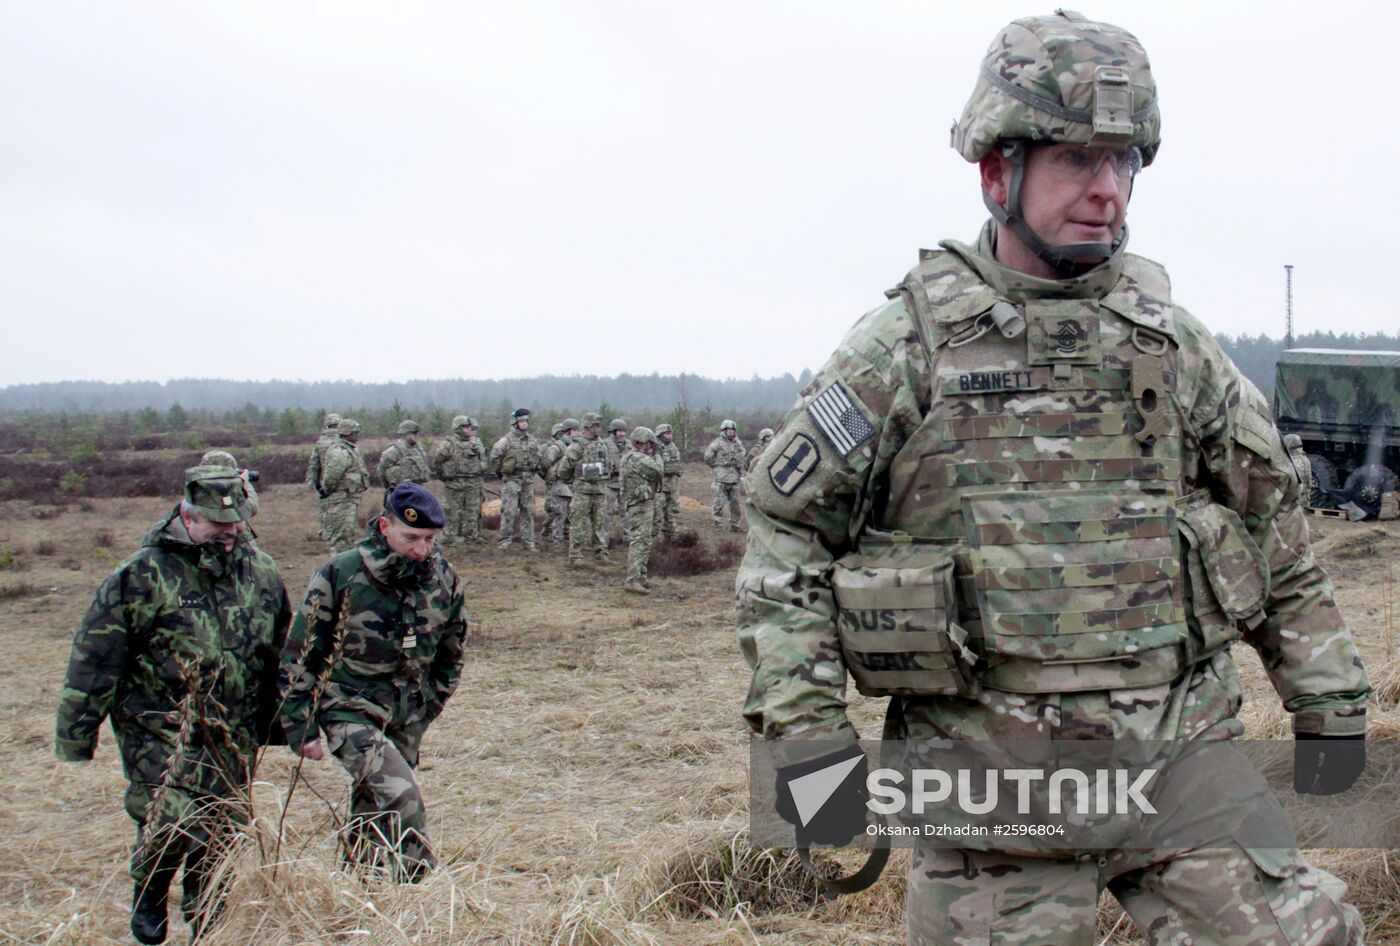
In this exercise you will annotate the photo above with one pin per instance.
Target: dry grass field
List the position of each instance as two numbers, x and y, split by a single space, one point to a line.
586 786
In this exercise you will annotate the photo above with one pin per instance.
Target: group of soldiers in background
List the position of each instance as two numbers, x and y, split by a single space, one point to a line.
594 485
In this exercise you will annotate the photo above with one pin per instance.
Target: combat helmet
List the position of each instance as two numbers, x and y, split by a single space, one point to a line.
643 435
663 429
569 423
331 420
408 427
1061 78
349 426
728 424
766 434
462 420
219 458
554 431
592 419
617 424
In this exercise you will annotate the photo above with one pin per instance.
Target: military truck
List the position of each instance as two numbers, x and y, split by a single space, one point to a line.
1345 405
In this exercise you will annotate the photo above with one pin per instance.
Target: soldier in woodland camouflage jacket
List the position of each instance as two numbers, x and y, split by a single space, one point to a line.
404 461
725 455
179 649
1107 496
371 660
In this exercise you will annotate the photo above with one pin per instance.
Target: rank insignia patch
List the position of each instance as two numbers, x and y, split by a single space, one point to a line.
840 419
797 461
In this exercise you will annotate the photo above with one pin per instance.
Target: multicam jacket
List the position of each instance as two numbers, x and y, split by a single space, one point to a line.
459 460
343 471
552 463
587 465
670 454
379 638
403 462
726 458
641 477
617 452
174 622
316 461
1110 423
516 456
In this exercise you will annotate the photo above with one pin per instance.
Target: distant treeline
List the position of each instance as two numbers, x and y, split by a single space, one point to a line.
1257 355
627 392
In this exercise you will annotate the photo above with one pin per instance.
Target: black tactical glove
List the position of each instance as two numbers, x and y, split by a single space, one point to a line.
842 817
1327 765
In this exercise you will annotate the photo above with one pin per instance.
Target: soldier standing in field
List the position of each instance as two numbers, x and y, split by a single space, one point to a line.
1034 399
329 434
725 455
668 499
178 649
616 521
764 435
371 659
642 473
344 479
1302 465
587 468
558 492
404 461
460 462
515 458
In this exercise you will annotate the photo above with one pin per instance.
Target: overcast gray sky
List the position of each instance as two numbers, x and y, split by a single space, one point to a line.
384 190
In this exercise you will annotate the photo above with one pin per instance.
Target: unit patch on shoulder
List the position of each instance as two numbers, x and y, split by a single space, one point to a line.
836 414
797 461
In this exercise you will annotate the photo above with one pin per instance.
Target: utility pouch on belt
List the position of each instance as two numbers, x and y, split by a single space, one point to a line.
897 619
1226 572
1072 576
508 466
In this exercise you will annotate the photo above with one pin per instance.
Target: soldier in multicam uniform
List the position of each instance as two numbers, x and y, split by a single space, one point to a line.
558 493
668 499
616 520
404 461
460 463
330 433
1302 465
1014 406
725 455
587 467
764 436
344 479
642 472
515 458
184 633
371 660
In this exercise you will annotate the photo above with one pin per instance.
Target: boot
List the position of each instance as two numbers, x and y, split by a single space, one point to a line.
635 588
150 909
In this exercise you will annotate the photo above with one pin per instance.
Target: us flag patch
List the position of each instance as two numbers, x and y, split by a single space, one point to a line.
839 418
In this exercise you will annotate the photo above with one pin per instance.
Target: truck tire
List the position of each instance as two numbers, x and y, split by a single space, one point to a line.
1367 484
1324 481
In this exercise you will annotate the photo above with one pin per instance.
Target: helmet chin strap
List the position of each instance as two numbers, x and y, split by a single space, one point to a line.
1064 259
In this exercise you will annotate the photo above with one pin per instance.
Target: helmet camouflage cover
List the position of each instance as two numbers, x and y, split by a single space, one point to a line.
462 420
1062 78
766 433
618 424
349 426
569 423
643 435
554 431
408 427
332 420
592 419
663 429
728 425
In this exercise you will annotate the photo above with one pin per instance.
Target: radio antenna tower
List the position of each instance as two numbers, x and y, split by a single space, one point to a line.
1288 335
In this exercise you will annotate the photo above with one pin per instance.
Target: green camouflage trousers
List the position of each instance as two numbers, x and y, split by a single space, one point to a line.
388 823
556 521
517 505
668 512
726 492
323 529
462 506
639 521
1222 895
342 521
587 526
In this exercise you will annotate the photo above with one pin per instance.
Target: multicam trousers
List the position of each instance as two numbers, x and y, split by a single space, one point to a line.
615 520
342 521
462 505
639 519
668 507
517 506
1223 894
587 525
389 822
556 520
727 492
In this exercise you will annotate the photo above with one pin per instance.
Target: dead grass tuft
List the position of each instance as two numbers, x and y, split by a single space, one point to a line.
1385 682
714 875
18 589
685 556
46 547
1373 542
104 539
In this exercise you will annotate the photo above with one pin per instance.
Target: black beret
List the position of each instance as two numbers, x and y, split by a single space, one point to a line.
413 505
521 412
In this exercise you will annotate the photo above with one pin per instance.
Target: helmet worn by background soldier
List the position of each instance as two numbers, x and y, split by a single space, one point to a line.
643 435
569 423
332 420
554 431
1058 79
219 458
349 426
728 425
618 424
663 429
766 434
592 419
408 427
462 420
